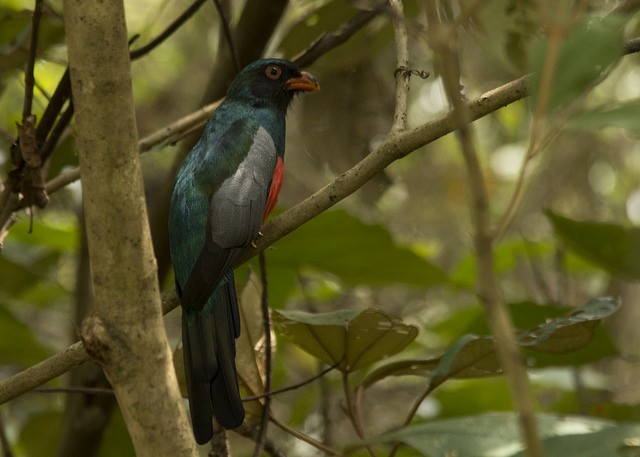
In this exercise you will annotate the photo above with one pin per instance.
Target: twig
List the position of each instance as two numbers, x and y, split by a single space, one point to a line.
329 40
54 107
402 63
391 149
443 40
56 133
167 32
344 185
226 29
293 386
74 390
42 372
29 80
51 112
264 302
351 412
303 437
168 134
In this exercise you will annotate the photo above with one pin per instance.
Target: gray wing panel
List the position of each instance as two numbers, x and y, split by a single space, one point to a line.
237 206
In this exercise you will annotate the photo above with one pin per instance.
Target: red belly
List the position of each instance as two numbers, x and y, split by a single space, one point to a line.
274 190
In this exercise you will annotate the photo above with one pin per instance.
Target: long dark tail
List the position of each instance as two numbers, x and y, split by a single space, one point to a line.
209 348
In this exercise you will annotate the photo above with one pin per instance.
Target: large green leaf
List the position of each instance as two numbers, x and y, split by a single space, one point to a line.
587 53
357 253
568 333
474 356
498 434
349 339
612 247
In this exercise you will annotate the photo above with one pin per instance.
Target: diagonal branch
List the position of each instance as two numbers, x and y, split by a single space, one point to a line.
393 148
329 40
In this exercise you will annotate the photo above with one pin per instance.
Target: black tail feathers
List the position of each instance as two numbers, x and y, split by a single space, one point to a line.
208 339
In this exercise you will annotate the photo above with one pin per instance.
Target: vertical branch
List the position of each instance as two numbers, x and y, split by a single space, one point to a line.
402 66
264 420
226 29
125 334
443 40
29 80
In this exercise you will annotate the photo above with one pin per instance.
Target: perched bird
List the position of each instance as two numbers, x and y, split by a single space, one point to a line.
224 190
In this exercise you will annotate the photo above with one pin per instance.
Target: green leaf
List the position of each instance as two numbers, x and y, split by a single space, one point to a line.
612 247
473 356
498 434
587 53
357 253
625 116
347 338
18 345
569 333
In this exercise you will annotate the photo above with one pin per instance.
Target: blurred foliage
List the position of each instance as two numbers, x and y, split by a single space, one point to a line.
497 434
383 286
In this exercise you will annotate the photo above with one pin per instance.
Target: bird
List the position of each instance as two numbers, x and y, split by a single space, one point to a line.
223 191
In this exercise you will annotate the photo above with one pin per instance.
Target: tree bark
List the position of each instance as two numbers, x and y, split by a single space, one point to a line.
125 334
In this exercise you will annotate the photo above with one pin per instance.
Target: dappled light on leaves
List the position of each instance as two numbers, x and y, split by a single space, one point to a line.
350 339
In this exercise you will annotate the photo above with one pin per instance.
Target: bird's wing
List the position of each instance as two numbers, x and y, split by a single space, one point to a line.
236 209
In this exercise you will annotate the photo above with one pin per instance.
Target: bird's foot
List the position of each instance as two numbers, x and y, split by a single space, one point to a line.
253 242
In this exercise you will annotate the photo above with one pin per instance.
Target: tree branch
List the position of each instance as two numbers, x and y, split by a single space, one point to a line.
392 149
43 372
402 58
168 31
443 40
125 334
329 40
29 80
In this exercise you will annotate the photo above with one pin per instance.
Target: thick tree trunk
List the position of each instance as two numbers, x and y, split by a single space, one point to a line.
125 334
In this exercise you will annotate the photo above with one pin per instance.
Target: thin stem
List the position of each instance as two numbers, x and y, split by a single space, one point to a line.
226 29
304 437
443 40
264 420
29 80
351 411
329 40
402 58
166 33
293 386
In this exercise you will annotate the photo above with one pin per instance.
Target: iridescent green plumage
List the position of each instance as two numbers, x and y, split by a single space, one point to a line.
219 200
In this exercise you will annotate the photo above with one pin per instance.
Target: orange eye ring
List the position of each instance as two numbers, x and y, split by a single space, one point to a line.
273 72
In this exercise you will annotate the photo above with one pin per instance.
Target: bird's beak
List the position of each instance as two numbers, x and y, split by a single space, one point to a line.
306 82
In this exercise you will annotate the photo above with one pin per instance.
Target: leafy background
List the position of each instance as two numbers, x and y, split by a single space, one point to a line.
393 263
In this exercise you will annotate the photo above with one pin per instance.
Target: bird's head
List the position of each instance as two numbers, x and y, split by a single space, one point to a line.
271 82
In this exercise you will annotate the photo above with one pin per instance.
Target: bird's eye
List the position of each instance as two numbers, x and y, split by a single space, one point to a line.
273 72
